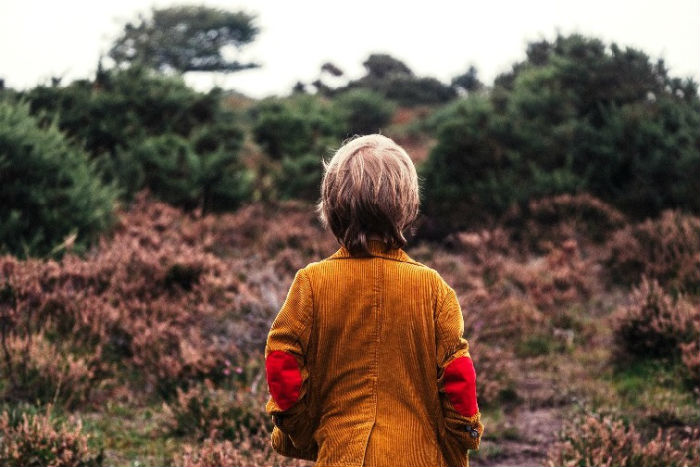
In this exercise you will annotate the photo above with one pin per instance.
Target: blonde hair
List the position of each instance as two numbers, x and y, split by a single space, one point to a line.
370 187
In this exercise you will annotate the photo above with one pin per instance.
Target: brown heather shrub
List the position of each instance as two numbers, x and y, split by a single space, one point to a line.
559 279
207 412
42 372
38 440
250 452
666 249
654 324
690 355
547 222
603 441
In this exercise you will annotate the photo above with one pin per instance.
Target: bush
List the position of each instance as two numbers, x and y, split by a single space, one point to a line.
39 371
363 111
169 165
412 91
596 440
133 110
300 178
296 134
49 192
543 223
206 412
654 325
575 116
41 440
253 451
666 249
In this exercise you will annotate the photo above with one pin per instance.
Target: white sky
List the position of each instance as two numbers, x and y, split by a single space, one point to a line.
40 39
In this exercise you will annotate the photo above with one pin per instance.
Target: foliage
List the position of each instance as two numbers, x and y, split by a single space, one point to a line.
180 176
666 249
394 80
49 191
574 116
654 325
41 440
543 223
207 412
363 112
130 120
185 38
254 451
468 81
296 134
599 440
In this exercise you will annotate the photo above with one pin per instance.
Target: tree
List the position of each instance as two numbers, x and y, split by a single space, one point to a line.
186 38
468 81
382 66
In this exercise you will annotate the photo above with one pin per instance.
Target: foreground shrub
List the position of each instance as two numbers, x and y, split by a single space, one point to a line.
666 249
655 325
207 412
150 301
253 452
39 371
49 192
39 440
603 441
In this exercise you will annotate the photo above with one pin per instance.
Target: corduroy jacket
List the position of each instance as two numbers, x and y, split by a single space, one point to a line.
367 365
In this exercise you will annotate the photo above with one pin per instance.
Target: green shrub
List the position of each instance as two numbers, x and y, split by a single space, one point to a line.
411 91
169 166
136 111
296 134
575 116
300 178
363 111
48 188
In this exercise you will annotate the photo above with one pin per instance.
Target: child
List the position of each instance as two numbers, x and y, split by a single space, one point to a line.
366 362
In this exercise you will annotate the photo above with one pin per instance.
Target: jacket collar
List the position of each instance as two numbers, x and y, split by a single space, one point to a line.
376 249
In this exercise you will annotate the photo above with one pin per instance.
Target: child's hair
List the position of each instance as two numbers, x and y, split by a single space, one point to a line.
370 187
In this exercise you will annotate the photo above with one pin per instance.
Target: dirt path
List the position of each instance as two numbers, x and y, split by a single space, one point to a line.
528 430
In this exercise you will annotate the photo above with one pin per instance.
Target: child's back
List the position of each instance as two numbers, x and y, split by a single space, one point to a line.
367 365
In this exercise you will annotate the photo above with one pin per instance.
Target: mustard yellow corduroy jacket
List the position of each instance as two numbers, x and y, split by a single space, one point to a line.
367 365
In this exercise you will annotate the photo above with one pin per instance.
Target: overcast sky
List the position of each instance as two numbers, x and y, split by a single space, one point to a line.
40 39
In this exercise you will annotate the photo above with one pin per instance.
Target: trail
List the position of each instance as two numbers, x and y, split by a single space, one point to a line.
530 428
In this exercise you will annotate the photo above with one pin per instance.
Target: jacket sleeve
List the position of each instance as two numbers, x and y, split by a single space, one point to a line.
461 429
287 373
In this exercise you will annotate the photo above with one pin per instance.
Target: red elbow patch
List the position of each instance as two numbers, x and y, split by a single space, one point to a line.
283 378
460 385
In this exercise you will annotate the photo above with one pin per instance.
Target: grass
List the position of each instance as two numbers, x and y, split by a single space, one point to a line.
130 435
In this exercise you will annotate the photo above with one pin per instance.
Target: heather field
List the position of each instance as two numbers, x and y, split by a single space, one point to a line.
149 233
147 350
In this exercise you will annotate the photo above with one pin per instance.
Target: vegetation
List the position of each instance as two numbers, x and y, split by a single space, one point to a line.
560 202
575 116
51 195
185 38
